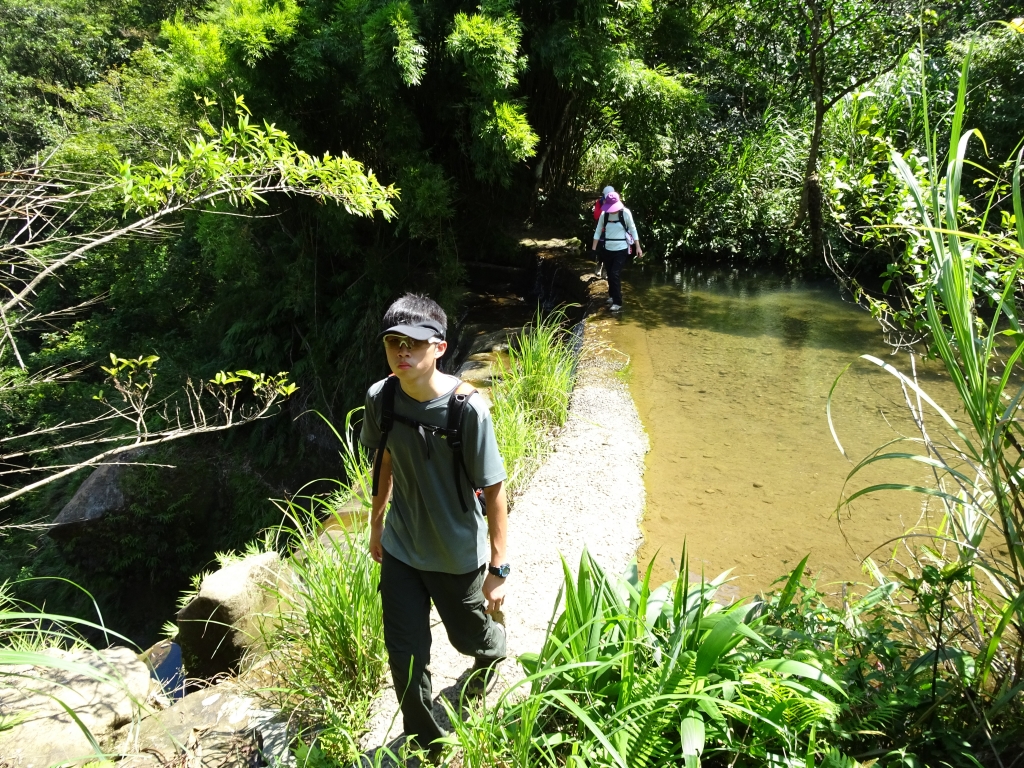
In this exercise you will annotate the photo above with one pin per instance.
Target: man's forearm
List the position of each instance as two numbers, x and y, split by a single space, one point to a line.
497 522
380 501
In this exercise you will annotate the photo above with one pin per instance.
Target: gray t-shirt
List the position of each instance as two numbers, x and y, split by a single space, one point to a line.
425 526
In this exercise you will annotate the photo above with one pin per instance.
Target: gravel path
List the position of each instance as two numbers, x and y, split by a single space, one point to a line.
589 493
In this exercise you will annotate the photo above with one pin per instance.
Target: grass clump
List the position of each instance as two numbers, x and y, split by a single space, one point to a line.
324 645
530 396
323 648
634 676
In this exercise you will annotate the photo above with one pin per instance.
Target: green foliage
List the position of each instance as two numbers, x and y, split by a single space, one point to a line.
47 49
503 137
530 395
239 164
324 645
488 49
965 581
634 676
251 29
908 675
391 34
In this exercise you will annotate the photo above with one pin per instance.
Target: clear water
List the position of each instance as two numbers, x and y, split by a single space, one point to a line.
731 372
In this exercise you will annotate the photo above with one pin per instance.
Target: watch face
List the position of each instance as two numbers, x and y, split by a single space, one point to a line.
504 570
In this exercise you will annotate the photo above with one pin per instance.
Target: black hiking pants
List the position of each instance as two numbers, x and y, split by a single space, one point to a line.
614 261
405 594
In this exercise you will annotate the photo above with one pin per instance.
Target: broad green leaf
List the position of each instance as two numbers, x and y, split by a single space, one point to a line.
691 734
715 643
792 583
800 669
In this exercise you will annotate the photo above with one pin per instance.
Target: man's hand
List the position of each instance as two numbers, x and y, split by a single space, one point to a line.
376 550
494 592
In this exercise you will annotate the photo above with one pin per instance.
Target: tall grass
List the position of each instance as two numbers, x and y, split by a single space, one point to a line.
967 611
530 396
322 650
630 676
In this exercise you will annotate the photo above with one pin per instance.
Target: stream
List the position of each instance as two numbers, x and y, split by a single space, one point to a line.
730 372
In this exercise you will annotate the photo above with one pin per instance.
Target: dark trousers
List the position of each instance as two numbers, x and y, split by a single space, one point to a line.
405 595
614 261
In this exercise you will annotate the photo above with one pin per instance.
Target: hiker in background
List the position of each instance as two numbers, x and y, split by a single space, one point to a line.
599 258
616 235
435 446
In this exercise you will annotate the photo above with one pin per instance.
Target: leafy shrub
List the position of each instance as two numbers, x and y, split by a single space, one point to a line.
628 676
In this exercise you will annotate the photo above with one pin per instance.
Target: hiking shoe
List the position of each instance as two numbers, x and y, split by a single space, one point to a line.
482 677
615 307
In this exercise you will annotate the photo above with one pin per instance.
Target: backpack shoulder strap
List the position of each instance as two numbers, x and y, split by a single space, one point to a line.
387 421
457 402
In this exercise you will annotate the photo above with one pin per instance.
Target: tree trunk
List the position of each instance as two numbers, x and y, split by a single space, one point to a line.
542 167
811 198
812 186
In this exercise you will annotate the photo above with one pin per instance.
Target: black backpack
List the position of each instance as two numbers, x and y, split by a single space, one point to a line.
451 432
621 220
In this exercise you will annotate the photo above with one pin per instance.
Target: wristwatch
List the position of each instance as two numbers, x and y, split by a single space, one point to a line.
501 571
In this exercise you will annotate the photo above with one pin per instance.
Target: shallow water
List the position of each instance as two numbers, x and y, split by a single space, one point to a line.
731 372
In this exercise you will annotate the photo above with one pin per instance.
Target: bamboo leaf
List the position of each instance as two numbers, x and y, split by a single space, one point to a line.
904 487
788 591
828 409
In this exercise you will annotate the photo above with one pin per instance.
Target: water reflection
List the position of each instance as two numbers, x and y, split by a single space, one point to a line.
731 371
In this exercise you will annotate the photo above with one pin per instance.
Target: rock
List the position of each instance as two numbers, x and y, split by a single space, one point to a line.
99 496
47 734
218 727
477 372
222 620
490 341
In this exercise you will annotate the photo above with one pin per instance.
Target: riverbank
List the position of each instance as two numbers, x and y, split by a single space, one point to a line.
588 494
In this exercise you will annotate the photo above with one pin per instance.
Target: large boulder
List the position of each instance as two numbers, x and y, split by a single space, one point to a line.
99 496
105 689
217 626
217 727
